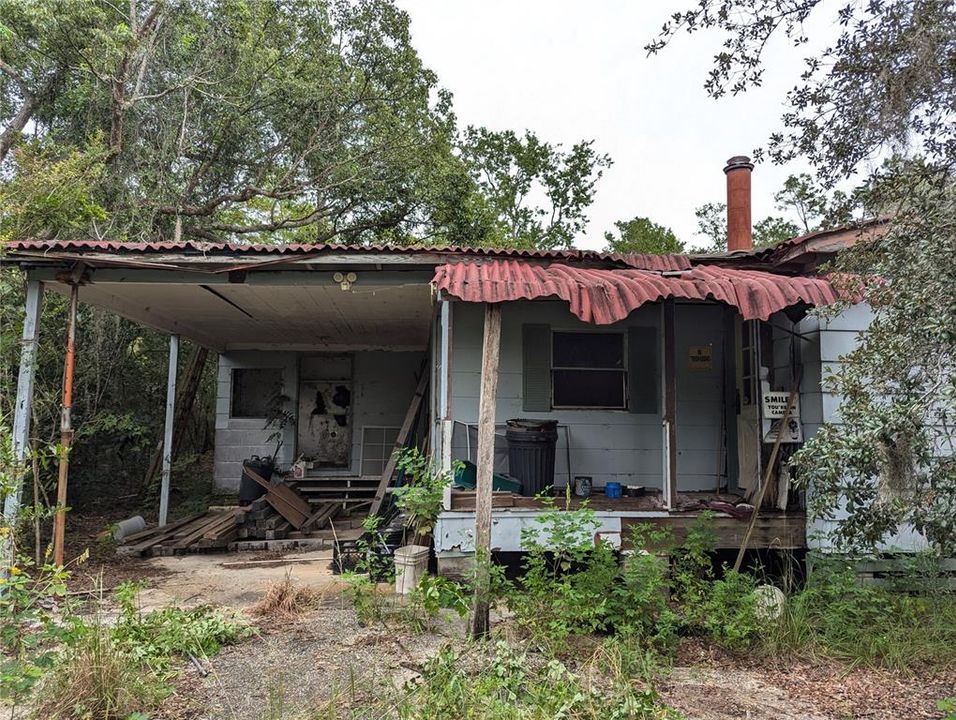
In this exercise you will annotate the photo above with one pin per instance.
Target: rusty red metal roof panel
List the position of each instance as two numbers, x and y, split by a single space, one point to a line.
648 262
605 296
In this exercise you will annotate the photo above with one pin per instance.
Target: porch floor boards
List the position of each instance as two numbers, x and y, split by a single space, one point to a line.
773 529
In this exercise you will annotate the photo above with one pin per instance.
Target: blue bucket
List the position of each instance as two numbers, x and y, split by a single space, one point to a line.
612 490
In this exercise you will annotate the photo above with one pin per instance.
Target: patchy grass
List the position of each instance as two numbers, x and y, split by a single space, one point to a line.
498 681
98 679
109 671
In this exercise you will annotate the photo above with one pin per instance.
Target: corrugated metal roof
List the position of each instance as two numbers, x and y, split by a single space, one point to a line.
33 247
605 296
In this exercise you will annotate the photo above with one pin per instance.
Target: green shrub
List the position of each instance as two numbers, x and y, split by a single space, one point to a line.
156 637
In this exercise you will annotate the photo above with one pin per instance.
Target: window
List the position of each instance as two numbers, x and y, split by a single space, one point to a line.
588 370
253 391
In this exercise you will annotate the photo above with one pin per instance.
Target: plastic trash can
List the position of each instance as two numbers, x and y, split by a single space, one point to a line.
531 448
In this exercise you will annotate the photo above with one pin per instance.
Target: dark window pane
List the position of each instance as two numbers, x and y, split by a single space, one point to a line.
588 350
253 390
589 388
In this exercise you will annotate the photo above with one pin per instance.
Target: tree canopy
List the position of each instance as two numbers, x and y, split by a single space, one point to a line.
299 121
641 235
885 86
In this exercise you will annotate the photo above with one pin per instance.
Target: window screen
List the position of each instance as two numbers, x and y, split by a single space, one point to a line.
377 446
587 370
253 390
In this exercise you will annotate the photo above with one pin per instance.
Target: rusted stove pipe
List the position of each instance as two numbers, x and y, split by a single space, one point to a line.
739 228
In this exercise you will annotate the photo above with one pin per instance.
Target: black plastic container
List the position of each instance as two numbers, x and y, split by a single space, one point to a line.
531 449
249 489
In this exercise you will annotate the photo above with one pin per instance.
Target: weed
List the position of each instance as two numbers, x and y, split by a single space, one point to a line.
286 599
838 616
511 685
156 637
371 607
36 621
420 496
96 678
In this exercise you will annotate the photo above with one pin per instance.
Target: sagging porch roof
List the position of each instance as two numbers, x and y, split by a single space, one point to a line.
603 297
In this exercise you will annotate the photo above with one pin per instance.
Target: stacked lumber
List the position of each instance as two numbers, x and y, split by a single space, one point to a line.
210 530
262 521
281 514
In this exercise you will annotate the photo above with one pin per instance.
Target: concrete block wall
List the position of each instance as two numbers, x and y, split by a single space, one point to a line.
240 438
383 384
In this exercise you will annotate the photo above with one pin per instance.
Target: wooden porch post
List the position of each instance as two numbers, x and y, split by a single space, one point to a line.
486 459
168 429
23 410
669 316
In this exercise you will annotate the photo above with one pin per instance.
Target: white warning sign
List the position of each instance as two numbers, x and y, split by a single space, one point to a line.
775 405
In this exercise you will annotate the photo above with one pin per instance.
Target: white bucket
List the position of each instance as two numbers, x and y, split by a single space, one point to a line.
411 563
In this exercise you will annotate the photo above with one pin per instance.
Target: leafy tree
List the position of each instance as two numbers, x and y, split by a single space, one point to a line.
772 230
299 120
888 83
513 170
814 207
712 224
641 235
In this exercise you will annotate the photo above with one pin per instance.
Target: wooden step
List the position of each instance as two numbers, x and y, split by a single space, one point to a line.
335 488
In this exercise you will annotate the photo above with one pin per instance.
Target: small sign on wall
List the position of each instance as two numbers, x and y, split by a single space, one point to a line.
700 357
774 408
775 405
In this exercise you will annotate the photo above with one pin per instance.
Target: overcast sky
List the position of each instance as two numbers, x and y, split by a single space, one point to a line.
577 70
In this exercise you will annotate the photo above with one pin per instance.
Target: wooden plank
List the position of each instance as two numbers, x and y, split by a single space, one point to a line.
784 531
794 391
320 516
289 496
155 530
487 404
186 541
289 513
400 441
158 535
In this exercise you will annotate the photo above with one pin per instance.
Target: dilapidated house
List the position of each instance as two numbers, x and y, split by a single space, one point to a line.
667 376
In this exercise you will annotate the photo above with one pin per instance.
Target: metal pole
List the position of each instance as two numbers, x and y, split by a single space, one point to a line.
66 429
24 408
168 430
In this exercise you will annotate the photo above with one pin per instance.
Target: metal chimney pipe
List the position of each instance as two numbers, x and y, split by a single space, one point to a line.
739 228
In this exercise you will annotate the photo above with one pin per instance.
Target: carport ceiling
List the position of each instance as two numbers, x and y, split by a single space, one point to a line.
275 312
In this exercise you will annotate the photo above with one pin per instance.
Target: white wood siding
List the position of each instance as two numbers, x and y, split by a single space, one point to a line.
608 445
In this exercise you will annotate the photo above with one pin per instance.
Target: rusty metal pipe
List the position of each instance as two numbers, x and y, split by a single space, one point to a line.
66 429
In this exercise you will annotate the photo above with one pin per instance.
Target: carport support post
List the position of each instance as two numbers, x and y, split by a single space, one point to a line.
670 401
66 427
23 410
486 459
168 429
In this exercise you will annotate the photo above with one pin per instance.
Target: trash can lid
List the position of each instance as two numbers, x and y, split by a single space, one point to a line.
529 424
